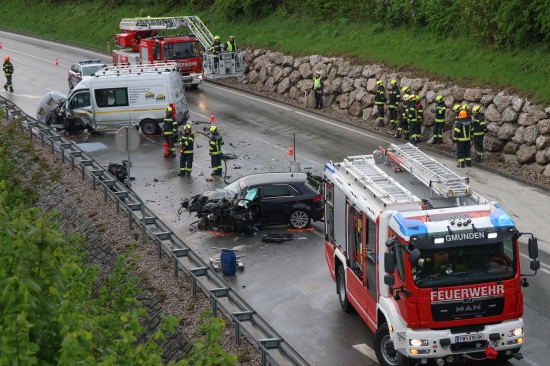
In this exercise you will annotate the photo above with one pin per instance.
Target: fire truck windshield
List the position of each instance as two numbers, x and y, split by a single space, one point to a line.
462 265
175 51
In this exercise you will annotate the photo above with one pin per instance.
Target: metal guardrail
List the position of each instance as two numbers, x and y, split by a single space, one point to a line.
273 348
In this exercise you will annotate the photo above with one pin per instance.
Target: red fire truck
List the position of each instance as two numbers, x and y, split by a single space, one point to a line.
140 42
431 267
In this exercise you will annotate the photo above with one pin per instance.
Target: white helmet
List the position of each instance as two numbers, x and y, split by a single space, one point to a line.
406 97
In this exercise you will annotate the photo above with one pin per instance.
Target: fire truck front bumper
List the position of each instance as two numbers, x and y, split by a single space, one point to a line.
506 338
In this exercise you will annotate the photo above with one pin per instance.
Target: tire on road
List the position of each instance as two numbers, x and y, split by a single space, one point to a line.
299 219
385 351
149 127
341 290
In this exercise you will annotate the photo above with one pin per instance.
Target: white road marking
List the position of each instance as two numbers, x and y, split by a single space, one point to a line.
22 95
367 351
34 56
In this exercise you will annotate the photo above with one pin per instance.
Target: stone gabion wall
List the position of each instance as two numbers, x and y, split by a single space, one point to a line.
518 129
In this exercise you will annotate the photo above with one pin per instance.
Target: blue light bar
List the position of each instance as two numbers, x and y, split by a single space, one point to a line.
84 62
330 167
410 227
500 219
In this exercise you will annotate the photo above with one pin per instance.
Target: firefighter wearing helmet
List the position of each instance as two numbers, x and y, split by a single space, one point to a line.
462 136
403 128
440 110
479 130
216 48
169 131
380 101
186 142
393 103
216 142
8 72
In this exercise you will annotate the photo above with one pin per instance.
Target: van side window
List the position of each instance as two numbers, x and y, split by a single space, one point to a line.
80 100
114 97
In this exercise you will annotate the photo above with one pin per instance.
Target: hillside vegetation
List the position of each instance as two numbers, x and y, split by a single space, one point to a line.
499 44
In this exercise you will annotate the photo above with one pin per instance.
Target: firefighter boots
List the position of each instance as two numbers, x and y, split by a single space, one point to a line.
468 163
460 164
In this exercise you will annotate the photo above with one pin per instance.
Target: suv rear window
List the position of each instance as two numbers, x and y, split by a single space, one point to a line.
314 184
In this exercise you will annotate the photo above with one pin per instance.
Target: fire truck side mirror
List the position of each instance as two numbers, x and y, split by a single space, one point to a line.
533 248
389 262
534 265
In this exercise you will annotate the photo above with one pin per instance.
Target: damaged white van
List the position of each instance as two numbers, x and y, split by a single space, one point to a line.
116 96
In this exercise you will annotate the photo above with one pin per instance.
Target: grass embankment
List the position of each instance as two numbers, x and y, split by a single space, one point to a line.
450 59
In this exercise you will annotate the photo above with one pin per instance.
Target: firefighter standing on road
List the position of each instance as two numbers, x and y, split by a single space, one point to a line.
380 101
170 130
480 128
8 72
216 142
186 144
318 90
393 103
463 136
216 49
440 110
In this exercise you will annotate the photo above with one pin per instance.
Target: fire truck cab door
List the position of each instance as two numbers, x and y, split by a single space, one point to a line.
79 108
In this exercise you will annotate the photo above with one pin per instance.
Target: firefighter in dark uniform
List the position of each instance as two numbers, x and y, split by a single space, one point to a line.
393 103
186 145
318 90
414 124
216 49
403 128
216 142
440 110
380 101
8 72
170 130
480 128
463 136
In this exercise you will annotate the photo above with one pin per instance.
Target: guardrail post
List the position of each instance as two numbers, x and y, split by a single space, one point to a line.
177 253
239 317
195 272
42 138
268 344
216 293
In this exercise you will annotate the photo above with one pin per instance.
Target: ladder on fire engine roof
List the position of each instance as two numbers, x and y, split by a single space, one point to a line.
442 181
363 168
192 22
136 69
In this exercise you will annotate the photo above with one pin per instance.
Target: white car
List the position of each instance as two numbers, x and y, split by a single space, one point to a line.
82 70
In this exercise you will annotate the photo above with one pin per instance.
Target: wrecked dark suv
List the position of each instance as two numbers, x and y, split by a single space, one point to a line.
260 200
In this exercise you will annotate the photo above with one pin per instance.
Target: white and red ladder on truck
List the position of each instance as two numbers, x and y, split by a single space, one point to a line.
225 64
431 266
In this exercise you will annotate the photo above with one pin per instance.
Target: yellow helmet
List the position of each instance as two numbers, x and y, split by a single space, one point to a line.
217 37
379 83
439 98
393 82
465 107
456 108
168 110
405 90
187 127
213 129
476 109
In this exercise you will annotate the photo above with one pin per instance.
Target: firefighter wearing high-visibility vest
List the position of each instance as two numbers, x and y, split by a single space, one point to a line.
440 110
480 128
216 142
8 72
170 130
186 145
393 103
403 128
380 101
463 136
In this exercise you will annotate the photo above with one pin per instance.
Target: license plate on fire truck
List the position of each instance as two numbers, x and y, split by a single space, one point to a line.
468 338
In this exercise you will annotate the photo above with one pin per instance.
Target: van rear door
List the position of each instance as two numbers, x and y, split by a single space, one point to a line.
178 97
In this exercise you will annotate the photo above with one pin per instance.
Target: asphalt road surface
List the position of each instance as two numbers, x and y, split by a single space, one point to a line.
288 284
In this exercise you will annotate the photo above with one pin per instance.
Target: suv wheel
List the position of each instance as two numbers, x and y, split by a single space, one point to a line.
299 219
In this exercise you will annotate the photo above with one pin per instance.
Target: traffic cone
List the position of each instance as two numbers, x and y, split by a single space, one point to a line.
0 46
56 62
167 152
212 118
290 150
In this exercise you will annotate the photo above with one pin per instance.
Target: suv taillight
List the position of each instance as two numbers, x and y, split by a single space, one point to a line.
317 198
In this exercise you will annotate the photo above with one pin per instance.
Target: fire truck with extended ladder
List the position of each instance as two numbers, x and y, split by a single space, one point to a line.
140 43
431 267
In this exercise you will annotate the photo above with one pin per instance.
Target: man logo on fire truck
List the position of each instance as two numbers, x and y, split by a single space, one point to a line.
430 259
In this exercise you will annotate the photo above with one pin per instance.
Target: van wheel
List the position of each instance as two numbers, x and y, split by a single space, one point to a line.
341 289
149 127
385 351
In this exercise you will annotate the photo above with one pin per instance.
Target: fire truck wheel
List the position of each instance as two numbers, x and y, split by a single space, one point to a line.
503 358
385 352
149 127
341 289
299 219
